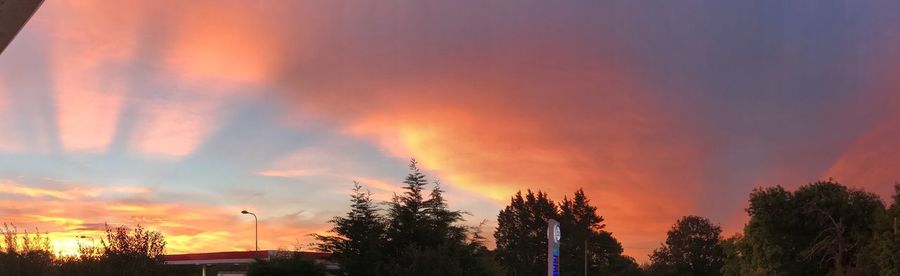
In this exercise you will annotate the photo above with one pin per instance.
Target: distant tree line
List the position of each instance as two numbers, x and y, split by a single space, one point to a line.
417 234
122 251
822 228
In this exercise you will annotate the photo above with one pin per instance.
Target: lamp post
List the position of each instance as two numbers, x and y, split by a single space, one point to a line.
256 231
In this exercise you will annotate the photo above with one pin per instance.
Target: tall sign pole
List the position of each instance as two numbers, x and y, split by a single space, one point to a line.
553 236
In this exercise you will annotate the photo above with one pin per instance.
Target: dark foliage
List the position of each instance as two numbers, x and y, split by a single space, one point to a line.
885 248
522 237
358 238
521 234
418 235
584 230
124 252
25 253
135 251
693 247
819 229
288 264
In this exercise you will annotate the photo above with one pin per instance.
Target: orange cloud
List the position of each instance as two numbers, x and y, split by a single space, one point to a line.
288 173
7 187
491 135
66 213
226 42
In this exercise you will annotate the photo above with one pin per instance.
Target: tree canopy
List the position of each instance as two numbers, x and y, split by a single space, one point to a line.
692 247
123 251
522 237
822 228
521 233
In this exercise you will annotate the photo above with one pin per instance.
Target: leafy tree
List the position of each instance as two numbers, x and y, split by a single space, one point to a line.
136 251
25 253
767 249
358 238
819 229
89 261
123 252
583 228
732 247
521 234
692 248
885 248
289 264
843 218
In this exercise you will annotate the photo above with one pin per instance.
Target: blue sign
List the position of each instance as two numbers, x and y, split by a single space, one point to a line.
553 237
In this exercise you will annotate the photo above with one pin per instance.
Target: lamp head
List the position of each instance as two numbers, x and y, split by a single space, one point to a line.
244 212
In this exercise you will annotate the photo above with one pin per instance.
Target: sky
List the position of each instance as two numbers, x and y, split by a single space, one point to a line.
177 115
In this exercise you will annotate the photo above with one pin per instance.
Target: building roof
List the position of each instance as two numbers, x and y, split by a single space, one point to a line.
232 257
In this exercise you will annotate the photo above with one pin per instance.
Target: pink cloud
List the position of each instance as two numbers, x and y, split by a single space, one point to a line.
174 129
89 42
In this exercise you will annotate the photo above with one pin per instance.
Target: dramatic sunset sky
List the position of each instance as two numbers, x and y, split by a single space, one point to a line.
179 114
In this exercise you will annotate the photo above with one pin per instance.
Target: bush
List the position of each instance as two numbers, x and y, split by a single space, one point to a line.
292 263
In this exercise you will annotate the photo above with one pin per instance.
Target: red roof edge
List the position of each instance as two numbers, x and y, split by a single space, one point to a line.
262 254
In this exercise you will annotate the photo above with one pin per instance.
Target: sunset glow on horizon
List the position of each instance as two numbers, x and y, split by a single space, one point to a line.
177 115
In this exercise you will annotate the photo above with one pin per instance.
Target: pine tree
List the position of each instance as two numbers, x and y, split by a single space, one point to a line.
358 238
441 220
583 229
425 237
521 234
407 212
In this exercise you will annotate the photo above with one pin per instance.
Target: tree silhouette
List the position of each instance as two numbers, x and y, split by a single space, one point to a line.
820 229
585 239
522 233
358 238
416 236
692 247
136 251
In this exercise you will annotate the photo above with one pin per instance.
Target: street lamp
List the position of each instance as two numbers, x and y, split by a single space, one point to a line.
256 234
86 237
93 246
